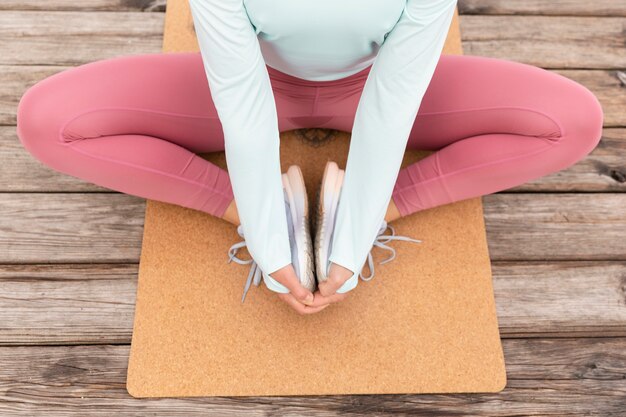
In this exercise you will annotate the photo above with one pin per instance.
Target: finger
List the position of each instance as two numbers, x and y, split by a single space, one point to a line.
299 307
332 284
288 277
337 276
321 300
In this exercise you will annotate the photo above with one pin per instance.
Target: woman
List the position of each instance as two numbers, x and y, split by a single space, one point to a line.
374 68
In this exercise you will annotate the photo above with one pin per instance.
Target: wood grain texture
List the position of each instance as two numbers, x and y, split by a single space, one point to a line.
546 377
561 299
94 303
87 5
482 7
21 172
609 86
605 84
47 228
91 302
604 169
107 227
564 226
74 38
548 42
545 8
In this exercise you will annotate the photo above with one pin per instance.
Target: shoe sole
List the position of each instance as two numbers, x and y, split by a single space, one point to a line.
294 184
327 201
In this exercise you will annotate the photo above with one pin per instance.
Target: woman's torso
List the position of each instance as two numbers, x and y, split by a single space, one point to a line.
324 39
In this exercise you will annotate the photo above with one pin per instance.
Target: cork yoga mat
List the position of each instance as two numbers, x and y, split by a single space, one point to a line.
425 324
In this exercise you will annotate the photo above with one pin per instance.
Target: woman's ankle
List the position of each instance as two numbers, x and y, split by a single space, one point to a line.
231 214
392 212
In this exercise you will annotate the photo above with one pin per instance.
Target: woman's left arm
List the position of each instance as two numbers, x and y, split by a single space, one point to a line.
386 112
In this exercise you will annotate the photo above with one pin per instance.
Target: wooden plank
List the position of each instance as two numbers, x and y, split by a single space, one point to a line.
546 377
15 80
67 304
605 84
107 227
571 298
74 38
604 169
548 42
94 304
47 228
86 5
556 226
484 7
546 8
21 172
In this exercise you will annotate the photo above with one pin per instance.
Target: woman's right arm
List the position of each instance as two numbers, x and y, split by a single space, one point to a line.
241 91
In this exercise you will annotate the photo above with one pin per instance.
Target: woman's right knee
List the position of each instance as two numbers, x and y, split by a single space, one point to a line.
582 119
39 117
47 105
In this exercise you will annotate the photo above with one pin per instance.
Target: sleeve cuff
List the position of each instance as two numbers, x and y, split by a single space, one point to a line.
274 265
352 282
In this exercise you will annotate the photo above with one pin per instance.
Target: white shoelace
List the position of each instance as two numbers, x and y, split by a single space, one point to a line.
255 275
380 241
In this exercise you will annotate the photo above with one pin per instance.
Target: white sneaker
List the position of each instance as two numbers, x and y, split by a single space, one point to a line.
326 209
296 210
298 222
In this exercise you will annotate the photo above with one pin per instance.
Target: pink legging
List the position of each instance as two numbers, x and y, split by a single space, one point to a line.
135 123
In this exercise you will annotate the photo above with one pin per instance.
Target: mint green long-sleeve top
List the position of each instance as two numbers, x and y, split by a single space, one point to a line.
318 40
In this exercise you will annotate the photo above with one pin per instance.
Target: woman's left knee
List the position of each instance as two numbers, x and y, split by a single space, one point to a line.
582 125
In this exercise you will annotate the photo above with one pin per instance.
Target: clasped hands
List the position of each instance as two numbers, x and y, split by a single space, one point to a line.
302 300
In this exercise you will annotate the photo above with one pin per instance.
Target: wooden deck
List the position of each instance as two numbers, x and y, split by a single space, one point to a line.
69 250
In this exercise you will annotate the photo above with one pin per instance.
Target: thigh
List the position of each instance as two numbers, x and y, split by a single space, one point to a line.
474 95
161 95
